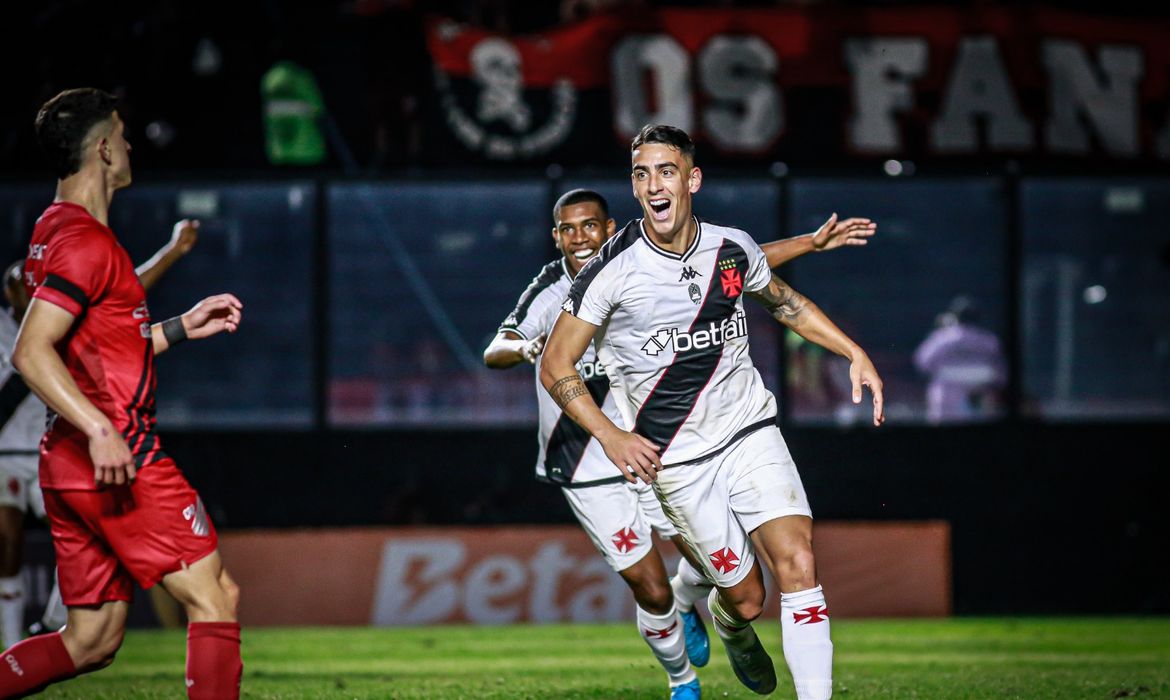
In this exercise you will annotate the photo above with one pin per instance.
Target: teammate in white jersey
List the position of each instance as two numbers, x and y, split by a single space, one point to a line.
662 302
22 423
619 517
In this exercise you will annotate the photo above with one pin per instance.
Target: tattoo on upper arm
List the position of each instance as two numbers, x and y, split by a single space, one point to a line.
782 301
566 389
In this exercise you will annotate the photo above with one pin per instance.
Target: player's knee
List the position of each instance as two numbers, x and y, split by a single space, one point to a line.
750 608
232 592
654 595
797 568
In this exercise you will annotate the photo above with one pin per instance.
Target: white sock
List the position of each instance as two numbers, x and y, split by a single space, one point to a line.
56 614
804 622
664 634
11 610
735 633
689 586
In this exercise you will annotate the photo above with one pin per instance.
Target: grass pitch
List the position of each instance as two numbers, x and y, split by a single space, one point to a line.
964 658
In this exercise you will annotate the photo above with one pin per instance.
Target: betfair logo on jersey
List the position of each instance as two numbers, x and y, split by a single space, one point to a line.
590 370
689 273
713 335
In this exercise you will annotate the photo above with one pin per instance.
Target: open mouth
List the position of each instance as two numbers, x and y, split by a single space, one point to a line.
659 208
584 253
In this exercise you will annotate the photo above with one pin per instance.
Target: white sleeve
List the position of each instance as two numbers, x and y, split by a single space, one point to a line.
591 298
530 318
758 272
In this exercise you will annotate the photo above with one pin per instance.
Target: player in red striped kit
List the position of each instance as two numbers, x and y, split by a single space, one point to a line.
120 510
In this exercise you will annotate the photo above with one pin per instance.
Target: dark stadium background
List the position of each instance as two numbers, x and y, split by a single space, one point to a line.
350 397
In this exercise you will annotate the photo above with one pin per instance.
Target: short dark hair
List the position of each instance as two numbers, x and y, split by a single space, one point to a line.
669 135
14 272
580 196
64 121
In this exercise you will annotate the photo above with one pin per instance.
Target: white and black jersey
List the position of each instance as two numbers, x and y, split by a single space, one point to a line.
568 455
22 414
672 333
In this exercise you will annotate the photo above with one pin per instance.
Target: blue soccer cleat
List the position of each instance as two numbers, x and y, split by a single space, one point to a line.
695 633
753 667
686 691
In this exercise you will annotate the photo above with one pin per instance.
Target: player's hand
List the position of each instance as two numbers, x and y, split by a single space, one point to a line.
532 349
216 314
834 234
184 236
113 465
633 455
863 373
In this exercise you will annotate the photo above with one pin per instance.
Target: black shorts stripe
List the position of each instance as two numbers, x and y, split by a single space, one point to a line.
566 444
68 289
12 394
673 398
741 434
625 238
549 274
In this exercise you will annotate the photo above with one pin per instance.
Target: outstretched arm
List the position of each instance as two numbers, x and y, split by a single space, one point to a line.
633 455
508 349
183 239
209 317
35 356
832 234
795 311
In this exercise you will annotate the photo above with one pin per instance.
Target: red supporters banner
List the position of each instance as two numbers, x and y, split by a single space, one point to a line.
414 576
811 85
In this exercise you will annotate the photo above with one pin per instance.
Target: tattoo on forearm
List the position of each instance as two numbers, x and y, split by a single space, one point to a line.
566 389
783 302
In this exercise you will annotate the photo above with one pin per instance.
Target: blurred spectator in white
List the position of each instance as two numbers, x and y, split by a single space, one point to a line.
965 366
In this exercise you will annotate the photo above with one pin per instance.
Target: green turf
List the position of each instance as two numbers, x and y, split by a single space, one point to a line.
1024 659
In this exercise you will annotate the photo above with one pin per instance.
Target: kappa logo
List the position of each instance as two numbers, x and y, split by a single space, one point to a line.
567 307
713 335
689 273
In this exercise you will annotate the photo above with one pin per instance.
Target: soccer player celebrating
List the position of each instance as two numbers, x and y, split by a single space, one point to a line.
619 516
22 423
702 425
119 508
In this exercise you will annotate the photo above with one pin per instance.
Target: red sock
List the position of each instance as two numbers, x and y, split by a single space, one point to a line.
213 661
33 664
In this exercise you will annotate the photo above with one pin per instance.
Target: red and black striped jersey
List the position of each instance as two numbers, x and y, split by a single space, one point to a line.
76 263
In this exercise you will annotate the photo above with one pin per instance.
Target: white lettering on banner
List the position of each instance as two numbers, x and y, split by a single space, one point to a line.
1109 104
428 596
745 111
433 580
668 66
882 70
489 585
980 92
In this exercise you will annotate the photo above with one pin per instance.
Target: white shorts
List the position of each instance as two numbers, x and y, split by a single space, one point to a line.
20 484
619 518
718 502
